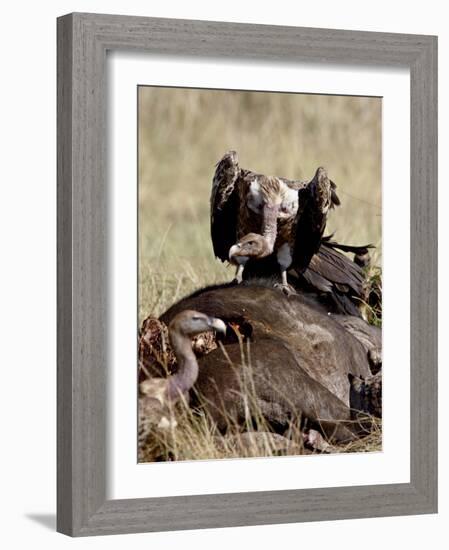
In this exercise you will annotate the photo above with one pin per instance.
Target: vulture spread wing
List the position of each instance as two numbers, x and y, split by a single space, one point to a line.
314 202
224 205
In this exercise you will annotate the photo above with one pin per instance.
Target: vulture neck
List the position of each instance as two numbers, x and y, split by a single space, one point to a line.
269 226
187 373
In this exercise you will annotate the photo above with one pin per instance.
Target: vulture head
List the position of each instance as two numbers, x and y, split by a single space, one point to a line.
189 323
251 245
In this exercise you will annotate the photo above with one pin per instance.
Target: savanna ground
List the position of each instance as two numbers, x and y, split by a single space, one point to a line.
184 132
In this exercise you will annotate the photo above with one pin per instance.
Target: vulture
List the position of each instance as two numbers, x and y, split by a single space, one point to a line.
288 215
296 355
158 395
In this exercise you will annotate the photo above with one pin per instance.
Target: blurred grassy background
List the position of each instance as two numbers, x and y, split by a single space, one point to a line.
184 132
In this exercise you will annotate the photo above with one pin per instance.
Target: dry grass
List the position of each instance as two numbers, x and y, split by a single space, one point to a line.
195 437
182 134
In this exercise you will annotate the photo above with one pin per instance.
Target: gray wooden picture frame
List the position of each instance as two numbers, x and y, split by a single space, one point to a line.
83 40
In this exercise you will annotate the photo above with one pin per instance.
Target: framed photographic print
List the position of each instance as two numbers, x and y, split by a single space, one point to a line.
234 369
246 274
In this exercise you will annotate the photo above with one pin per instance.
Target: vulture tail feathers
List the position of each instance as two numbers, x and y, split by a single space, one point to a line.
354 249
315 201
361 253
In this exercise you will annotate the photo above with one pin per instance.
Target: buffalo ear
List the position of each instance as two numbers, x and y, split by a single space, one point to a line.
350 378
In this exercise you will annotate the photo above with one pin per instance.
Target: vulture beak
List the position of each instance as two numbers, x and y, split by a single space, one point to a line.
235 257
233 251
217 324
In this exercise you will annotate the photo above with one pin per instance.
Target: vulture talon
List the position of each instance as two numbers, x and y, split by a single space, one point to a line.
287 289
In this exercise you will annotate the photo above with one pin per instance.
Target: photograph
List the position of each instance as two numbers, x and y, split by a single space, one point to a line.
259 274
